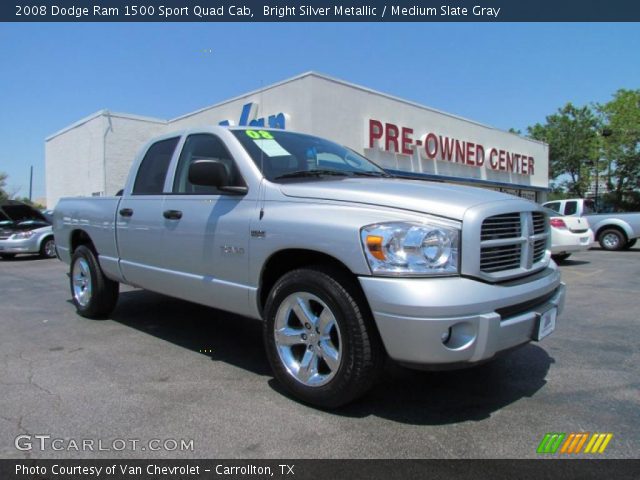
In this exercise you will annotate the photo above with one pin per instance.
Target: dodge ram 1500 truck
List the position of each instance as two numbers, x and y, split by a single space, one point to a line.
343 263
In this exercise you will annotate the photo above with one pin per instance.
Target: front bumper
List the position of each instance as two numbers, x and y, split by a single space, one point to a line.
414 315
26 245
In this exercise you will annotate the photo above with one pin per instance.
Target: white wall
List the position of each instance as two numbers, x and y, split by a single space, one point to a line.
73 161
124 140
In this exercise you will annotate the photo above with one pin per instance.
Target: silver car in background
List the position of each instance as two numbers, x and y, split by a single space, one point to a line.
24 230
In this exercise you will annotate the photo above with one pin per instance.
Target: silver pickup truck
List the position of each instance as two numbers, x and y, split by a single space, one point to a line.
614 231
345 264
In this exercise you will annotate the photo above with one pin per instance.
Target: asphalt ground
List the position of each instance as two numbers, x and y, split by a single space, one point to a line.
164 369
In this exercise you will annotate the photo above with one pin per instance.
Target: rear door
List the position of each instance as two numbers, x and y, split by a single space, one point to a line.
140 221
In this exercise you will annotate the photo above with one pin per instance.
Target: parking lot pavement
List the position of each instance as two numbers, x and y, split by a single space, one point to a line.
162 368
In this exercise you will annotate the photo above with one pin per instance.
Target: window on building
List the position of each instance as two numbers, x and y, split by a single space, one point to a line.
153 168
203 146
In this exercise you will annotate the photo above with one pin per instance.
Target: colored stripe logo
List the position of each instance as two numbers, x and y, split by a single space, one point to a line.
574 443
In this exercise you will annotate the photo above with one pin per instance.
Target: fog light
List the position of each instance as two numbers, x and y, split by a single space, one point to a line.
446 336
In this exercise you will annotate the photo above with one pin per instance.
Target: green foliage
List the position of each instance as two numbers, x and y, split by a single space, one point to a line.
601 140
572 135
621 146
3 183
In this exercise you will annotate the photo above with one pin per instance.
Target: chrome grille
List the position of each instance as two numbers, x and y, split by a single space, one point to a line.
501 226
495 259
514 241
539 222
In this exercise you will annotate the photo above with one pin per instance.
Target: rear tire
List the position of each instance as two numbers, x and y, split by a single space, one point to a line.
93 294
560 257
612 239
8 256
48 248
630 244
320 338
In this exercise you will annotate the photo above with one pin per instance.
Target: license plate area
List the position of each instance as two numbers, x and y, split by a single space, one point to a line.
546 323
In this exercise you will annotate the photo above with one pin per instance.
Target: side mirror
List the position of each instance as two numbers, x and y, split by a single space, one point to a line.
209 173
213 173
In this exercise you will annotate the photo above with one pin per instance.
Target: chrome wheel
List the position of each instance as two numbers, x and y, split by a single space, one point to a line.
50 248
81 277
308 339
611 240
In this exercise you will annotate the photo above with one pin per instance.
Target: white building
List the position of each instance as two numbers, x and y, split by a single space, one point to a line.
93 155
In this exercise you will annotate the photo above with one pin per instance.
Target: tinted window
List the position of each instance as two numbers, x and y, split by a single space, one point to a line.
154 166
588 207
570 207
199 147
553 206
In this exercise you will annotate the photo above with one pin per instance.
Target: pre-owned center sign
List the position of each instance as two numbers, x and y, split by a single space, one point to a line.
436 146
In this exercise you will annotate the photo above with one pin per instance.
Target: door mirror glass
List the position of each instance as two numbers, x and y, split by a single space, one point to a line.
208 172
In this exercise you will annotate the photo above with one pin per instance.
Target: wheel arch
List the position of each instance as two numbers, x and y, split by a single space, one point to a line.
80 237
284 261
613 226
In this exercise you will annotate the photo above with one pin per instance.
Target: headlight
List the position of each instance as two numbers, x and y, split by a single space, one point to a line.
401 248
22 235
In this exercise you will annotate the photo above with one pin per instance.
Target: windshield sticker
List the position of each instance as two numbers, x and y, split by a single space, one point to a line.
259 134
271 148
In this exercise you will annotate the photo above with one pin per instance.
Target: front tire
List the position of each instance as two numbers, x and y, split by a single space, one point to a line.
93 294
320 339
612 239
48 248
629 245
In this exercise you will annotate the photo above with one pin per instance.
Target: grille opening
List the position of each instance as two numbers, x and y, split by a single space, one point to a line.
510 228
501 227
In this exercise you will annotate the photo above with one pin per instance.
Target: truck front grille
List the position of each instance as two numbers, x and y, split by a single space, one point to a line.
514 241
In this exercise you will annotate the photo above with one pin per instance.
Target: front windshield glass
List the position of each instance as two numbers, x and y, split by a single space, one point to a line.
285 156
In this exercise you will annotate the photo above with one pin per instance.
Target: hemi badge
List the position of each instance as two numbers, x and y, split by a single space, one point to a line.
258 233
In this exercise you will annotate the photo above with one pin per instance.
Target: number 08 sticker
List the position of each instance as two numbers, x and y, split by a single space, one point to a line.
257 134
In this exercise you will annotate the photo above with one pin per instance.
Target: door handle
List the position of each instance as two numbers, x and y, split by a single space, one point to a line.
126 212
172 214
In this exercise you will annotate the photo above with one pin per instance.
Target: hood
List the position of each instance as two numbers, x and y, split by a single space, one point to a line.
444 200
9 228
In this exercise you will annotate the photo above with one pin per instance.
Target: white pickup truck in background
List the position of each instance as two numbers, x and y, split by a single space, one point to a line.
614 231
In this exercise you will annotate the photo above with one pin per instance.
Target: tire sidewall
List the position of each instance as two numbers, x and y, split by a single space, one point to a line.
621 239
43 248
320 286
83 252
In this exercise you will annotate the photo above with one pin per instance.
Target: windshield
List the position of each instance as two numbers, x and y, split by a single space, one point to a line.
284 156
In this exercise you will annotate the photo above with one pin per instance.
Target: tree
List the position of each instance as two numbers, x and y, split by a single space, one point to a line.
620 119
572 135
3 182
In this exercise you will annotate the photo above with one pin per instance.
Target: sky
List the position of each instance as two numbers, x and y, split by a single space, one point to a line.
500 74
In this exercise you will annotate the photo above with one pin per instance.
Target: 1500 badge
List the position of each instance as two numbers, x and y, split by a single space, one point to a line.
231 250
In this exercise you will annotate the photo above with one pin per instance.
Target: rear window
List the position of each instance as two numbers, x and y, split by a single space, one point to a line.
553 206
571 207
154 166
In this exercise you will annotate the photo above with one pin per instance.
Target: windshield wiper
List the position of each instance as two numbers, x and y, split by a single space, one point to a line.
371 174
311 173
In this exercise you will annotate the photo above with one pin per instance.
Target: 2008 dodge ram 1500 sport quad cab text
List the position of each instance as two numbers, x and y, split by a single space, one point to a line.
344 264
